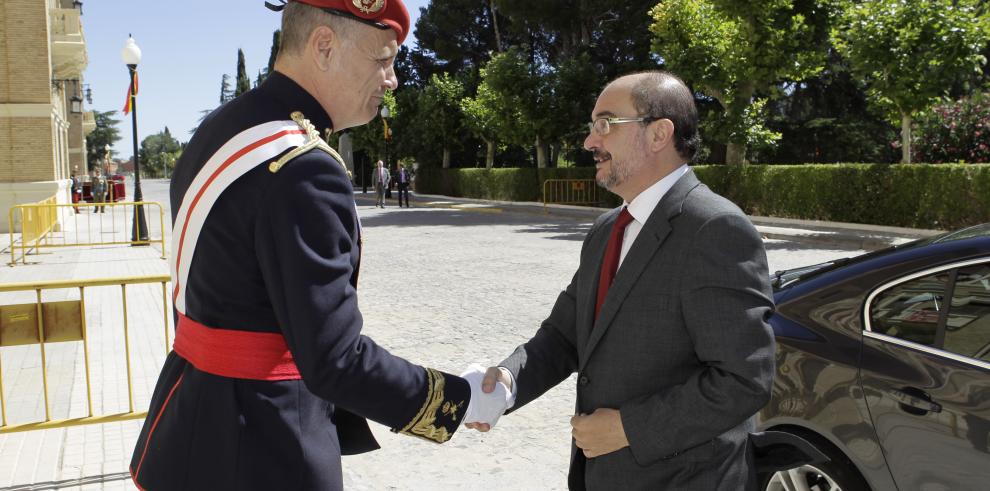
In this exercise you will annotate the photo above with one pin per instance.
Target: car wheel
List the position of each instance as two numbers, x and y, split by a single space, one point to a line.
838 474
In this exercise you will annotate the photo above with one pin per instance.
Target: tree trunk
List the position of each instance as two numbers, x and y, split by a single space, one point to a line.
905 138
498 35
446 158
541 153
735 153
490 154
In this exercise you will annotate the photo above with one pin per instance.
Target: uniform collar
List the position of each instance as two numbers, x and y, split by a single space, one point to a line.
295 98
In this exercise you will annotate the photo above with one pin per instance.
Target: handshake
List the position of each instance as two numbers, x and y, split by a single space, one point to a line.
491 396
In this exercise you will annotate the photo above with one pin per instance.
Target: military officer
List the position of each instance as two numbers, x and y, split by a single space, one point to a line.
270 380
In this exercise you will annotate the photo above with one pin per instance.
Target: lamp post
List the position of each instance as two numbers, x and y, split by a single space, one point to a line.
131 55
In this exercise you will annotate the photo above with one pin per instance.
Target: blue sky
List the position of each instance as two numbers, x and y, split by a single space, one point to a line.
186 47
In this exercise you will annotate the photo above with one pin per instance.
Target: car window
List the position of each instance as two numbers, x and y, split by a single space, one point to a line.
911 310
967 330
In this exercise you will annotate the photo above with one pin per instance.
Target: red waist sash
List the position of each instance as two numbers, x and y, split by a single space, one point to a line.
235 354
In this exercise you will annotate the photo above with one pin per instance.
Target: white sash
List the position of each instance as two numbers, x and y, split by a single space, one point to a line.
242 153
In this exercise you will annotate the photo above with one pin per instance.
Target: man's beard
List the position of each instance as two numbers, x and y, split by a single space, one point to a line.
619 171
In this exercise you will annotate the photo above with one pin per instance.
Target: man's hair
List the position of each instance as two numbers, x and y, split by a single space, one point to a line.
662 95
299 20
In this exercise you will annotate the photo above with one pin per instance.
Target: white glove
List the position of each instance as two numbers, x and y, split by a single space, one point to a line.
484 408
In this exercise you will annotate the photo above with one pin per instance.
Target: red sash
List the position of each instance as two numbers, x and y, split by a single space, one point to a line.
235 354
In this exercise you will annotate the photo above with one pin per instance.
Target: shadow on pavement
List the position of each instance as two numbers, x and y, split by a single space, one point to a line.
421 215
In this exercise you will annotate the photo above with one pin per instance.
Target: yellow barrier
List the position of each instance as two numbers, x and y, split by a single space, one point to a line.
38 225
44 323
570 192
37 220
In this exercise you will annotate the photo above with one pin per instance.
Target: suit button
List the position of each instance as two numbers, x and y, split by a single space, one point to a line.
583 380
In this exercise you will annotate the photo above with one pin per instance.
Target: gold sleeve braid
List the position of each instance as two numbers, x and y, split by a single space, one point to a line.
425 424
313 140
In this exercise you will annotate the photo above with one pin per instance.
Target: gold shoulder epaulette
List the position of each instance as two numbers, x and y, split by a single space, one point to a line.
313 140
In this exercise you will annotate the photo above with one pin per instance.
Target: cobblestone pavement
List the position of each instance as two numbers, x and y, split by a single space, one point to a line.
442 284
447 287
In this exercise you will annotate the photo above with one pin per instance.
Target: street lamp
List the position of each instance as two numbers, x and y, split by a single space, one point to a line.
75 104
131 55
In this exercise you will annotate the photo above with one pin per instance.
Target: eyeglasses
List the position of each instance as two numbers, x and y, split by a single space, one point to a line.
602 126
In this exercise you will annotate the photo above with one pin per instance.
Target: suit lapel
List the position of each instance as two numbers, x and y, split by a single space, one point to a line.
587 296
647 244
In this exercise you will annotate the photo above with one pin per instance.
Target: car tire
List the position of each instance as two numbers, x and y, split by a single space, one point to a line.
838 474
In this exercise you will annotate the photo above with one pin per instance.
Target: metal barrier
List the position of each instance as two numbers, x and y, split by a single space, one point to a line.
38 225
570 192
44 323
37 220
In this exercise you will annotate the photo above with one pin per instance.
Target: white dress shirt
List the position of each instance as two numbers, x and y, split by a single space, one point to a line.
643 205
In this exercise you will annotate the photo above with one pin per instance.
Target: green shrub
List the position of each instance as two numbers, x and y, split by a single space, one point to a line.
919 195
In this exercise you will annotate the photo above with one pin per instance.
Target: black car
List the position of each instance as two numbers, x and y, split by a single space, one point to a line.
883 363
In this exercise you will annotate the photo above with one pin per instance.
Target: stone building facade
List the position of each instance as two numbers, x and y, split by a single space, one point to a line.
43 126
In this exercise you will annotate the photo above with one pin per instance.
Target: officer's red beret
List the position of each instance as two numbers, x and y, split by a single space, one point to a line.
390 13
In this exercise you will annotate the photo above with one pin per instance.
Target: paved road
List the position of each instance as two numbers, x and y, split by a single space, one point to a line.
442 284
446 287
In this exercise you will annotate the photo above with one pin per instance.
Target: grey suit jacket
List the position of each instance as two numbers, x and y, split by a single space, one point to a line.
681 346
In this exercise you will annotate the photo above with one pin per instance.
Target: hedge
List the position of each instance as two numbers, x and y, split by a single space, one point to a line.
943 196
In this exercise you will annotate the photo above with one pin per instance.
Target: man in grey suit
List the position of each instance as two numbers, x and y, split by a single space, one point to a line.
674 354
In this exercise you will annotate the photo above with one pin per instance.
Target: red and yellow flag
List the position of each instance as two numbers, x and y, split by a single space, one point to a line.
132 91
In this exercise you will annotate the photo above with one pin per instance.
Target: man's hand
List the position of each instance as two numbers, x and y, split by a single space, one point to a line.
599 433
489 399
493 376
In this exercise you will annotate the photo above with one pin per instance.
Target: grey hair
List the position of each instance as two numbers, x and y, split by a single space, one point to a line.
299 20
662 95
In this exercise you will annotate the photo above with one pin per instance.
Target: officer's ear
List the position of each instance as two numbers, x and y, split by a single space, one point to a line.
322 43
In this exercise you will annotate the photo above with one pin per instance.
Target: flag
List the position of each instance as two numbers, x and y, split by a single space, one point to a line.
132 91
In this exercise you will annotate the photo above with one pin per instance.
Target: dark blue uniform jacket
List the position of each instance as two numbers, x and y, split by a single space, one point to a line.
279 252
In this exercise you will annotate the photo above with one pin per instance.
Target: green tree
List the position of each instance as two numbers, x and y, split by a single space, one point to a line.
910 52
243 82
106 133
276 45
439 104
527 89
225 93
159 153
456 34
485 115
542 105
734 50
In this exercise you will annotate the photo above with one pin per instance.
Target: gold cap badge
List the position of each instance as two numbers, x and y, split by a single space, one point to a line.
369 6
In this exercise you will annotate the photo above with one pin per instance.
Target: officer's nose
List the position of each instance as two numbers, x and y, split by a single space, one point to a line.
391 81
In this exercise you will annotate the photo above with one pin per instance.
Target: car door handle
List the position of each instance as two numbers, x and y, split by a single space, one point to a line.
915 401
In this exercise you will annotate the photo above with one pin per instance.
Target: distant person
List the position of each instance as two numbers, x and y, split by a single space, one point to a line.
381 180
76 191
402 183
99 190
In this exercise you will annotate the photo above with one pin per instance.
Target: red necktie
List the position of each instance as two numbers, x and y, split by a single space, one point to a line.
611 262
